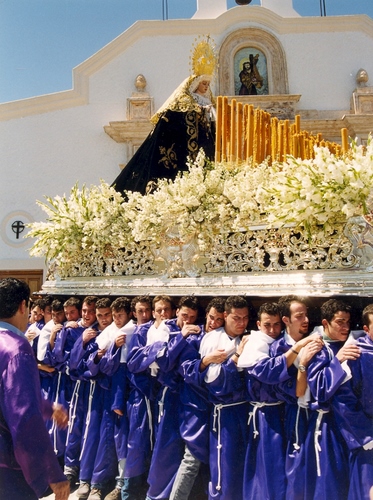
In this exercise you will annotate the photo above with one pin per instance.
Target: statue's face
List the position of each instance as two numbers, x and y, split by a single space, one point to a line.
203 87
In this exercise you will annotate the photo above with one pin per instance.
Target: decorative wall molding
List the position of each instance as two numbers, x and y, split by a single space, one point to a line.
264 41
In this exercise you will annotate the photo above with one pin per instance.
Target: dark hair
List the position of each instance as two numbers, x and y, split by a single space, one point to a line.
37 303
189 301
73 302
216 303
121 303
163 298
45 302
285 302
331 307
368 310
57 305
235 302
90 300
103 303
12 293
270 308
143 299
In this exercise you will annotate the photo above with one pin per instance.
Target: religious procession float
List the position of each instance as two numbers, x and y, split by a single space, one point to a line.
278 210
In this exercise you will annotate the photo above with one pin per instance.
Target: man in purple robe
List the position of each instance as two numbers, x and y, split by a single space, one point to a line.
353 403
218 372
293 349
160 351
141 401
326 454
195 412
28 465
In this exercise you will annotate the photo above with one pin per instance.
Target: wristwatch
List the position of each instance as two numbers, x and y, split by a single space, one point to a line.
302 368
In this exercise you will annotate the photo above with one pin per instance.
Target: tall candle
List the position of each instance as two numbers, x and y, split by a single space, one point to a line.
219 127
232 143
224 129
239 130
344 140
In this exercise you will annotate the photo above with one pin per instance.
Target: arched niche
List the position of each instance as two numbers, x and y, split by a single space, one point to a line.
264 42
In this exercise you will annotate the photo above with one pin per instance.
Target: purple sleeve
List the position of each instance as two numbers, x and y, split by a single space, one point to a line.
108 364
168 357
229 381
21 407
324 376
140 355
270 370
354 411
79 356
355 426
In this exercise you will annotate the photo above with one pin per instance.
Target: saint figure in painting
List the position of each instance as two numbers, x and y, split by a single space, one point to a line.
249 76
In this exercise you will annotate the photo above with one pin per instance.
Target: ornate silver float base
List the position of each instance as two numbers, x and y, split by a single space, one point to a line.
264 284
258 262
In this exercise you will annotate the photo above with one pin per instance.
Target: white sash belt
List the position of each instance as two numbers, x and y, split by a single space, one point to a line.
216 415
252 414
316 437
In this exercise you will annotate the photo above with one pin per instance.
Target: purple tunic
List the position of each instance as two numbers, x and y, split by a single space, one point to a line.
295 424
228 426
87 408
169 447
195 409
24 442
354 405
326 464
267 443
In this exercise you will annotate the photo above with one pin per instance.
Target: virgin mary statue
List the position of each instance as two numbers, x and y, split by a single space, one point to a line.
182 125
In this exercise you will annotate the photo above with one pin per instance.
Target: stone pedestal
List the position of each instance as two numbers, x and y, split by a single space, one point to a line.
284 106
362 101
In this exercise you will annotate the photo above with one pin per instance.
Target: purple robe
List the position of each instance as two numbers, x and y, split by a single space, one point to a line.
267 383
25 448
326 453
140 410
195 408
228 426
87 408
169 447
295 424
353 404
114 373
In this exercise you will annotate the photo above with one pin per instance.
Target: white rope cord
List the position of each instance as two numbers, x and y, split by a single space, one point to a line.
216 415
252 414
161 404
54 425
72 408
150 418
316 437
92 387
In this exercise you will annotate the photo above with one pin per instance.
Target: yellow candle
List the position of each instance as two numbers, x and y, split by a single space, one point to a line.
249 132
239 130
219 125
224 131
232 149
297 123
344 140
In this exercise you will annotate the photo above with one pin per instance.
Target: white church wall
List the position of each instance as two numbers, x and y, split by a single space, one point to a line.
322 67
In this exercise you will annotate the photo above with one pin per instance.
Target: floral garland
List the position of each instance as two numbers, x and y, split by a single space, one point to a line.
207 200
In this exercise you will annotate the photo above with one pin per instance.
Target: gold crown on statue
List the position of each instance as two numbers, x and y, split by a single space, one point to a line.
203 60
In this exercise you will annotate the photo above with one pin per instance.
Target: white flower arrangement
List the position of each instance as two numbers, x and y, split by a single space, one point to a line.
207 200
90 220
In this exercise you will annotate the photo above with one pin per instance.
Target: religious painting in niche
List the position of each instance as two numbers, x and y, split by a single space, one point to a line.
250 72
